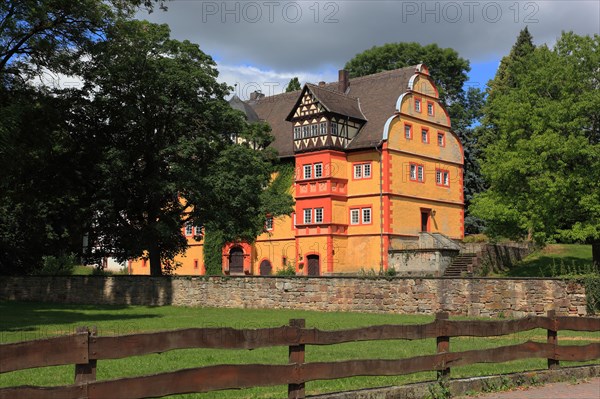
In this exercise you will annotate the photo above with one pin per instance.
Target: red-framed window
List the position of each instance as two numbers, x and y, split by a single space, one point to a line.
361 170
442 177
425 136
441 139
269 223
418 105
416 172
408 131
430 108
361 215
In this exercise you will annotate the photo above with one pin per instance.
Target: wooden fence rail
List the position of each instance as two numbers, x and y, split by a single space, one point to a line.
85 348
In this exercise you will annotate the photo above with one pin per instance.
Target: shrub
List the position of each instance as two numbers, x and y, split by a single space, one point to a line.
287 270
63 265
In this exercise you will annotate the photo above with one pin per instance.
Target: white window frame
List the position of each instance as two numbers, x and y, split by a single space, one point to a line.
318 170
198 230
355 215
334 128
307 172
189 229
297 133
314 130
269 223
438 176
408 132
366 215
366 167
318 215
413 172
358 171
323 129
425 135
417 105
441 139
446 177
305 131
420 173
307 215
430 108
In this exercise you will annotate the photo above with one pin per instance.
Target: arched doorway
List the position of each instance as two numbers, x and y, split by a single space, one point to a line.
236 260
265 268
313 265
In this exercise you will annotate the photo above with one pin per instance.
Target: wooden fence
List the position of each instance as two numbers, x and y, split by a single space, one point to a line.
85 348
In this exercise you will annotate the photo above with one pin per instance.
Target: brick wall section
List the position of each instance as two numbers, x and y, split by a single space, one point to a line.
465 297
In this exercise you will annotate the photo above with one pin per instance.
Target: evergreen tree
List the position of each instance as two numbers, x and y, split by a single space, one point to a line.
293 85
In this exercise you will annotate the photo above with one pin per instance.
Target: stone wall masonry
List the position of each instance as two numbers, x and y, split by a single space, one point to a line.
464 297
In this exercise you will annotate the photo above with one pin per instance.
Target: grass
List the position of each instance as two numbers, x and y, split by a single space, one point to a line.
560 258
26 320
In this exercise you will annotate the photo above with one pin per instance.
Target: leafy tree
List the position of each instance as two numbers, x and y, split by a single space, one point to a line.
543 169
449 71
160 138
294 85
41 188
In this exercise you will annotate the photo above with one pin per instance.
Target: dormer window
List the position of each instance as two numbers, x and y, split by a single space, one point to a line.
334 129
417 105
314 130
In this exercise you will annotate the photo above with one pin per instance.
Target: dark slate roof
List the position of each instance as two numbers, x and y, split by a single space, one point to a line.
376 96
333 101
236 103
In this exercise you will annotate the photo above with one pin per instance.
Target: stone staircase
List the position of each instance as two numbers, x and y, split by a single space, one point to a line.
461 266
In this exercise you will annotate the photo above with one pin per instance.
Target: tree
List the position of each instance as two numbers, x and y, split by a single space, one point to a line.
159 128
449 72
504 80
42 188
543 169
294 85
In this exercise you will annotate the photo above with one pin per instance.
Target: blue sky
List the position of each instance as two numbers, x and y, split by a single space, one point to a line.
262 44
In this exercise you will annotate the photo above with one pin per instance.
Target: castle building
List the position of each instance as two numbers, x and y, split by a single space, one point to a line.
378 176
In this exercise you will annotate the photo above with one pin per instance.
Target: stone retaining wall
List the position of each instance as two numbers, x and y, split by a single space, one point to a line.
465 297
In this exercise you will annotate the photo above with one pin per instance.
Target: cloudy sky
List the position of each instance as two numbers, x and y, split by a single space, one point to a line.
262 44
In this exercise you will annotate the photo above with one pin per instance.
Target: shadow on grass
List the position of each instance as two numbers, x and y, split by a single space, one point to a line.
42 317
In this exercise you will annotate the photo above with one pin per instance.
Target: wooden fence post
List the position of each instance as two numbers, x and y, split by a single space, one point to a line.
553 340
296 391
443 346
86 372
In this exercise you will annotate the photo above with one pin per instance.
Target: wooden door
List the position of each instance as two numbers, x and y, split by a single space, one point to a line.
265 268
313 265
236 261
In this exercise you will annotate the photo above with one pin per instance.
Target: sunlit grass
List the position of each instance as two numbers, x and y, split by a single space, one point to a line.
24 321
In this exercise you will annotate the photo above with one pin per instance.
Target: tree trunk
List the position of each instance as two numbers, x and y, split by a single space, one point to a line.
155 266
596 254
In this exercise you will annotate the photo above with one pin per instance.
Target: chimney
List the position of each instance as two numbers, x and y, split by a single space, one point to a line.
343 81
321 84
256 95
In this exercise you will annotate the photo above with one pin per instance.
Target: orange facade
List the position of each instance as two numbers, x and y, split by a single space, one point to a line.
355 204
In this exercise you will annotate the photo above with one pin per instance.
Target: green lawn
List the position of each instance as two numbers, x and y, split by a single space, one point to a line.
25 321
554 260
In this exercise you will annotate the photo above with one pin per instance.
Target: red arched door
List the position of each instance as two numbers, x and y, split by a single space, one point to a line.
236 260
313 265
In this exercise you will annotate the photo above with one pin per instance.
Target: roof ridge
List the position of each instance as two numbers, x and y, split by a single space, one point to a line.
382 73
